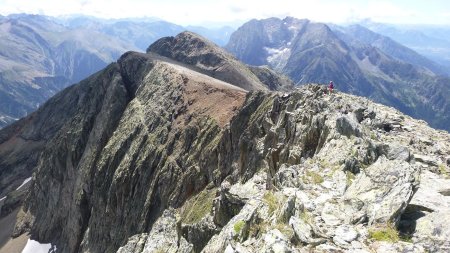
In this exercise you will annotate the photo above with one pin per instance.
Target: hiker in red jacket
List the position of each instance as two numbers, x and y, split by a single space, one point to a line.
331 87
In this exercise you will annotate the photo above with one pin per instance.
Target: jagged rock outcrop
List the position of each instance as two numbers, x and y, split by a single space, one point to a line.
164 237
168 157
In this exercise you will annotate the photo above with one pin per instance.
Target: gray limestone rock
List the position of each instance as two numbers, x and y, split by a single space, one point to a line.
304 232
275 242
287 177
348 125
200 233
344 235
165 236
384 188
397 152
237 229
135 244
426 160
433 231
289 208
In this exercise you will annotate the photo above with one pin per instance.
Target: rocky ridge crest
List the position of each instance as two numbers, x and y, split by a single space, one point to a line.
152 154
323 173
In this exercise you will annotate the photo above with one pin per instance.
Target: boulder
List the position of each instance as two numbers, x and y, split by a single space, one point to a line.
288 209
198 234
275 242
304 232
287 177
426 160
135 244
384 189
348 125
226 206
344 235
235 230
396 152
433 231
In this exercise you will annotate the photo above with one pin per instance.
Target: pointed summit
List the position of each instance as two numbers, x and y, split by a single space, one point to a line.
193 49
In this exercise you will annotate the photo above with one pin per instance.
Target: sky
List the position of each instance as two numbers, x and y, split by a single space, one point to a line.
210 12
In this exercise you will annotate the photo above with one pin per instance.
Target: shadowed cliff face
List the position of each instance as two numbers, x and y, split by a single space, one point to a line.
126 155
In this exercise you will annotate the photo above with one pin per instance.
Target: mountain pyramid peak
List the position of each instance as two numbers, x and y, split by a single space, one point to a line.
191 48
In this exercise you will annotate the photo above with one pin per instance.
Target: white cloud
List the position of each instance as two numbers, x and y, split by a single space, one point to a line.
200 11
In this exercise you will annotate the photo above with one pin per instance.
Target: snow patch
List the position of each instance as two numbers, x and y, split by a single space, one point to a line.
37 247
275 51
3 198
24 182
277 57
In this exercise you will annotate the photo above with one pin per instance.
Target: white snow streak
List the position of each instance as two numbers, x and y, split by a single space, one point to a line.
24 182
277 57
36 247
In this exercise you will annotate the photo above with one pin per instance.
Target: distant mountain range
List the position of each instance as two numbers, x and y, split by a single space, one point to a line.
358 60
41 55
432 41
141 32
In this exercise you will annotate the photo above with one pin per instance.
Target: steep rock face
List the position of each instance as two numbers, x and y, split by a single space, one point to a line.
311 52
22 142
157 118
194 50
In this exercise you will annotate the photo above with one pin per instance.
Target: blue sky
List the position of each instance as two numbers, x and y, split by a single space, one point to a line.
204 12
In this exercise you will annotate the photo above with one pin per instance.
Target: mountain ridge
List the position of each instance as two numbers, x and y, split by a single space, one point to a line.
150 154
40 55
312 52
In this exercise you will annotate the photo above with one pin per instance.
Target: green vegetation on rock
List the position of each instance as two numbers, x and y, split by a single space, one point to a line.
271 200
312 177
262 109
385 233
442 170
285 229
307 217
350 177
198 207
238 226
